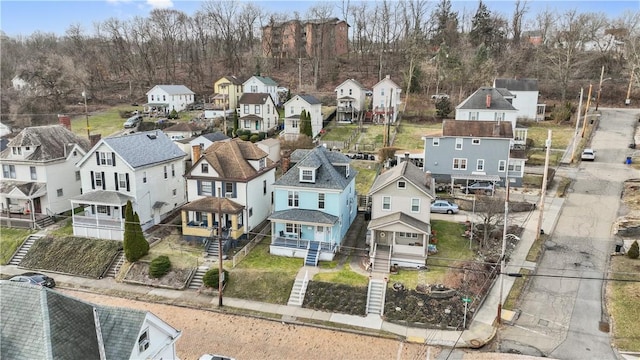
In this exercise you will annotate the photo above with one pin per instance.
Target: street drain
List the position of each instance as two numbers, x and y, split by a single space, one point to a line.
543 322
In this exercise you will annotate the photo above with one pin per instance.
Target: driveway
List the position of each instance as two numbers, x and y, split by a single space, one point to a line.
563 313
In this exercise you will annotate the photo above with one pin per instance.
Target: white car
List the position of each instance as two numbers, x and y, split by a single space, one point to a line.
588 154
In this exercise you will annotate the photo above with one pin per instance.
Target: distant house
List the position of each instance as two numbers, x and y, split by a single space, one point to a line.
272 147
473 150
4 129
400 226
41 323
295 38
386 100
19 84
228 90
292 110
39 174
261 84
257 113
183 130
533 37
145 167
165 98
233 180
525 97
351 101
314 205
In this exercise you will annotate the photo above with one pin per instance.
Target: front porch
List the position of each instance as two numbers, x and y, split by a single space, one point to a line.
102 214
405 238
205 217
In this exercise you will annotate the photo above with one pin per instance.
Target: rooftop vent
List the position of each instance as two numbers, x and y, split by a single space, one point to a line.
152 136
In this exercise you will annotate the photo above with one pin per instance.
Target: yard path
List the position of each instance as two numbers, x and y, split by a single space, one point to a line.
246 337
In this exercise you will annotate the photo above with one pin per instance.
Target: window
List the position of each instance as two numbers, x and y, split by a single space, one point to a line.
264 187
106 158
173 170
175 192
9 171
459 164
321 201
436 141
166 175
262 163
386 203
228 188
250 212
473 115
501 165
98 180
143 341
292 228
341 92
480 165
350 91
204 167
402 185
254 88
459 143
164 97
206 188
102 209
122 181
475 141
415 205
60 192
268 108
34 174
247 124
16 150
257 109
499 116
78 175
306 175
246 109
294 201
294 124
144 177
151 97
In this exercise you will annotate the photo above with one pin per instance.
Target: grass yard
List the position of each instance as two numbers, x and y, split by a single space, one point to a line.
339 132
537 157
106 122
409 136
372 135
343 276
561 135
182 255
66 229
10 240
82 256
622 302
263 277
367 171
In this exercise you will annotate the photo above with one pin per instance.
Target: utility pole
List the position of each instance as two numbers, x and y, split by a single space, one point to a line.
628 99
575 135
220 268
299 74
544 185
586 111
504 245
600 88
86 114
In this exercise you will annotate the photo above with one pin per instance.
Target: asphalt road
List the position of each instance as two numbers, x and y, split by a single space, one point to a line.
562 314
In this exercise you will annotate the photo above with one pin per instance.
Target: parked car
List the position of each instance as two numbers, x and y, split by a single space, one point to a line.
485 187
35 279
439 96
444 207
588 155
133 121
215 357
368 93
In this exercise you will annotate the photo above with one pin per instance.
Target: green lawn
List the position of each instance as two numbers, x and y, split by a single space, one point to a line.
339 132
343 276
367 171
182 255
66 229
622 302
561 135
10 240
410 135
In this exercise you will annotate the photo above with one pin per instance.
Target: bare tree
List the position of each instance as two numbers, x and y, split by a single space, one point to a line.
519 12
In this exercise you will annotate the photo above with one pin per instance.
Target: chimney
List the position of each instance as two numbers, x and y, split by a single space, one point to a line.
197 152
488 101
65 120
94 139
286 160
388 77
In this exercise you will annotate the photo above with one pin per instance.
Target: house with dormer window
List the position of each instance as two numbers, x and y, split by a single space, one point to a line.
229 188
162 99
261 84
39 174
314 205
145 167
386 101
351 101
292 110
257 112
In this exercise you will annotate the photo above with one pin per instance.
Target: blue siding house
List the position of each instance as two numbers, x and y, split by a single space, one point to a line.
314 205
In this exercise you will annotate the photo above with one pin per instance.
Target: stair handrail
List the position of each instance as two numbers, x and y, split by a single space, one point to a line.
384 295
113 259
21 245
368 295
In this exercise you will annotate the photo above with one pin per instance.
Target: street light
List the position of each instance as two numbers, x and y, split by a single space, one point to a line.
86 114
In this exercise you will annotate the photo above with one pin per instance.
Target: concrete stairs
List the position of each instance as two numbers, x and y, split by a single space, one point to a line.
196 281
382 262
212 249
297 292
24 248
375 296
115 265
44 222
312 254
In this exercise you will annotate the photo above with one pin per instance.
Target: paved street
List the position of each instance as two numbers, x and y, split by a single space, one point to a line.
562 315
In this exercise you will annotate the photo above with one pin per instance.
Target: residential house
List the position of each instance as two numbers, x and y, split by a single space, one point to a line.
183 130
198 144
257 113
146 168
20 84
292 110
400 226
471 151
261 84
386 101
4 129
227 92
295 38
533 37
39 174
41 323
233 180
272 147
162 99
351 100
314 205
525 97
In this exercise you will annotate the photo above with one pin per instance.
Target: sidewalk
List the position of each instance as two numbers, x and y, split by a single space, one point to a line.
481 329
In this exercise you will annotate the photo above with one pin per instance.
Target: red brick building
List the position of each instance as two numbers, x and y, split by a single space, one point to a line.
311 38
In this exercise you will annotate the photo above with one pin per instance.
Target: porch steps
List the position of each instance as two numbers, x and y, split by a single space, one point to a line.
297 292
45 221
212 249
196 281
313 254
114 269
381 262
375 296
24 248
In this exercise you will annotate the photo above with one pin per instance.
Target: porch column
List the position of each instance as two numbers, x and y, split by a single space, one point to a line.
183 217
273 232
234 221
425 245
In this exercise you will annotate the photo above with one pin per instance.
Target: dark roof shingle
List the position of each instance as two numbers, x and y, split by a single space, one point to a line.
479 129
50 142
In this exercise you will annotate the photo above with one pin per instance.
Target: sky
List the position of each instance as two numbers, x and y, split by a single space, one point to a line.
24 17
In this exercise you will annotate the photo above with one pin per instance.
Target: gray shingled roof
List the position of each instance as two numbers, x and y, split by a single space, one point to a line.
254 98
401 217
330 173
405 170
517 84
174 89
50 142
233 79
26 187
142 149
120 328
479 129
304 216
104 197
265 80
478 100
310 99
351 80
215 136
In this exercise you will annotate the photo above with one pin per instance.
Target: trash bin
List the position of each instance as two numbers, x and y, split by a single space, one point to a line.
618 248
628 162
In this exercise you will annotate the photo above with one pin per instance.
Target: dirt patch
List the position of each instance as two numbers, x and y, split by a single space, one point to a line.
336 298
175 279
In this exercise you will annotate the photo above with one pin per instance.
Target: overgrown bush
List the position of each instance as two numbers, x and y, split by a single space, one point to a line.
244 137
160 266
173 114
633 252
211 278
562 113
254 138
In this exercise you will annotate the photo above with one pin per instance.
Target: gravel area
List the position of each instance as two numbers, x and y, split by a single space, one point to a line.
246 337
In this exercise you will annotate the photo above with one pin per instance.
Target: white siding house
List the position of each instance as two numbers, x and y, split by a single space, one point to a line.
386 100
292 110
166 98
525 97
351 101
146 168
488 104
261 84
257 112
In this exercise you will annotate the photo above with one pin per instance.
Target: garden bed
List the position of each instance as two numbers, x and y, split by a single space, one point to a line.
177 279
338 298
424 310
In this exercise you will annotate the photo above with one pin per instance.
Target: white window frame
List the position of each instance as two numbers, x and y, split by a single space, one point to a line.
436 141
474 115
475 141
415 205
293 199
502 164
480 165
401 184
321 200
386 203
122 181
206 188
459 142
307 175
459 164
34 172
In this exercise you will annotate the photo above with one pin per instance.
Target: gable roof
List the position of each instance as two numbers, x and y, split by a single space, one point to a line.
120 328
173 89
50 142
264 79
356 82
213 204
478 100
517 84
405 170
183 126
215 136
387 79
254 98
312 100
230 158
142 148
399 217
233 79
475 128
330 169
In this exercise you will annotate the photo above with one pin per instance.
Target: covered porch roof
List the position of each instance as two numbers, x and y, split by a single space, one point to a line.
402 218
22 189
303 216
476 177
212 204
103 197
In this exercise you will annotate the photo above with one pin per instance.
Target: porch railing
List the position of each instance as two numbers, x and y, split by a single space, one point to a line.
90 221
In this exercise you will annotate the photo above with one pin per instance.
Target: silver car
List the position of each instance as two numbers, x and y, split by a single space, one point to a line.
444 207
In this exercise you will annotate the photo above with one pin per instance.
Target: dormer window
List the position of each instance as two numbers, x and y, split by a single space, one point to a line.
308 175
402 184
204 167
347 171
262 163
16 150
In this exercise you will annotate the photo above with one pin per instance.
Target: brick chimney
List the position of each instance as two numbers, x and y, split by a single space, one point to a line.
488 101
94 139
65 120
286 160
197 152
